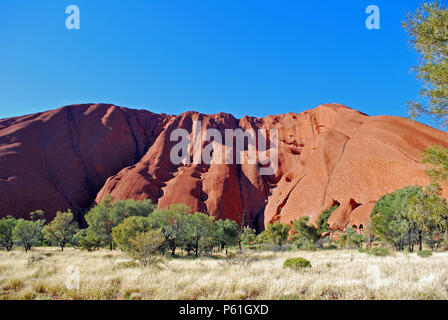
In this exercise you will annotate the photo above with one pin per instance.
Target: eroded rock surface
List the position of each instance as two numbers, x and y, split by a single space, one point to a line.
76 155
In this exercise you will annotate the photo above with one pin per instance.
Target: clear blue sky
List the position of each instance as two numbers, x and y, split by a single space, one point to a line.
250 57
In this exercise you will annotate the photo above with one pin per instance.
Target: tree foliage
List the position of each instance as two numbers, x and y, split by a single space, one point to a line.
61 230
304 232
437 156
28 233
128 229
322 220
106 215
390 220
226 233
277 233
200 228
145 247
427 29
6 232
173 223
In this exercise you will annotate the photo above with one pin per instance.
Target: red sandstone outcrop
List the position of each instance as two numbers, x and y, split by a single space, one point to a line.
72 156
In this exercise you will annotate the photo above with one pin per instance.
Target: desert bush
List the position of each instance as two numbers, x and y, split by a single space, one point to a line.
322 220
305 234
379 251
33 259
248 236
276 233
145 247
307 246
424 254
297 263
242 259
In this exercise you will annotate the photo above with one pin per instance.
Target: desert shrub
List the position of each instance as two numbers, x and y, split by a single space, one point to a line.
424 254
304 232
242 259
33 259
326 243
307 246
297 263
248 237
379 251
322 220
276 233
145 247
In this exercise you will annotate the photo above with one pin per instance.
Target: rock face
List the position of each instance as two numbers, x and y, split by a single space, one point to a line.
76 155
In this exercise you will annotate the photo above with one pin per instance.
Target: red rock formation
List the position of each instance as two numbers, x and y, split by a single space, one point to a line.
69 157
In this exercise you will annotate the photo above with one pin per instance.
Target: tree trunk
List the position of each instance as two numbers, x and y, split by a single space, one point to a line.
420 245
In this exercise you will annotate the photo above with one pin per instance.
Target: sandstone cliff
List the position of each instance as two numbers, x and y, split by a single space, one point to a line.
75 155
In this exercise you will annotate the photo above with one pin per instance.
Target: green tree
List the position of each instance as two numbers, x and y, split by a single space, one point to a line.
263 237
390 219
6 232
122 209
304 231
248 236
427 29
277 233
353 237
430 212
128 229
199 227
226 233
146 246
87 239
27 233
61 230
106 215
437 156
99 219
322 220
172 222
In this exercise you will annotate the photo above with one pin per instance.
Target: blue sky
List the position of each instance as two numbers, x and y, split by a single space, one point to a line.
250 57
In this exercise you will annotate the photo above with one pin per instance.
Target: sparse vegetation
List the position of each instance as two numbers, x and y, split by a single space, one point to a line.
335 274
424 254
297 263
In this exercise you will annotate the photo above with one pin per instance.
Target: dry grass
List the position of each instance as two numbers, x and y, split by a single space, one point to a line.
42 274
